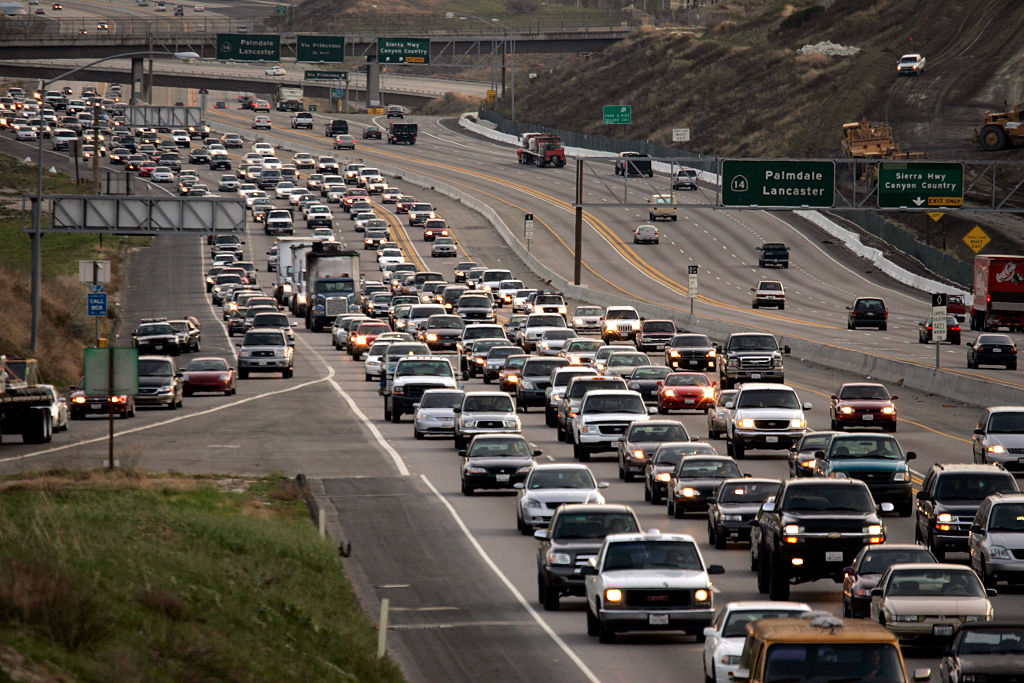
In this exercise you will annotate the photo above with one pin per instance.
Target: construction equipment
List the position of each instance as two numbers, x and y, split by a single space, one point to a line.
24 406
1001 129
542 149
865 141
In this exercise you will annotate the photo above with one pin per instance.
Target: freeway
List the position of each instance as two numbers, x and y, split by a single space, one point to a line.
439 556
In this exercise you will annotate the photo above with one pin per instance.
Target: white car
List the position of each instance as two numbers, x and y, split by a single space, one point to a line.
162 174
296 195
250 197
435 412
325 234
726 636
318 214
536 325
181 137
390 195
367 219
26 133
587 318
506 291
58 408
261 121
304 160
519 304
271 163
263 149
274 71
549 485
763 404
284 189
390 257
244 189
603 417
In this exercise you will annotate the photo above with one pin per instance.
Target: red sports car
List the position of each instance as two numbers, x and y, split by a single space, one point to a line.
686 391
146 168
81 405
860 404
209 374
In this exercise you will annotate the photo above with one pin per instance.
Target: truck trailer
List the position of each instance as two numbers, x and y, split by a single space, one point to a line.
332 283
24 407
998 293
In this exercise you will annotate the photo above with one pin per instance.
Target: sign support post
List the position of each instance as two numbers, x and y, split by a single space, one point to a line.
528 229
939 302
691 289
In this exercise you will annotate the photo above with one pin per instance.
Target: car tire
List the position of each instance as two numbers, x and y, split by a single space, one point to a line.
891 428
605 634
549 597
560 433
720 540
883 327
550 418
396 416
711 534
987 579
627 476
1009 366
173 405
656 497
593 625
417 434
738 451
763 580
387 412
580 453
906 507
939 553
466 489
287 373
662 410
367 378
778 589
460 442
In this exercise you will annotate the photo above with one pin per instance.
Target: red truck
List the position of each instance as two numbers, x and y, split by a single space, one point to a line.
542 149
998 293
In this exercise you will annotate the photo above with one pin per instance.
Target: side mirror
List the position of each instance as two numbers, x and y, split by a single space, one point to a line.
819 455
462 452
911 455
786 349
716 569
876 592
588 570
768 507
651 410
894 398
808 406
969 345
729 405
416 405
752 289
179 375
621 439
295 324
886 507
537 452
710 632
848 570
457 410
238 344
518 486
921 675
976 529
743 675
718 348
979 431
602 484
923 495
834 397
991 592
232 369
848 308
541 534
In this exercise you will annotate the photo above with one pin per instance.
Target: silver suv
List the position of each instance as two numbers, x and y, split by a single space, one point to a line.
999 437
265 349
485 412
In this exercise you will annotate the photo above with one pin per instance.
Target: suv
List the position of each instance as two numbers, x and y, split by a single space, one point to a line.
265 349
545 303
412 376
948 500
649 581
999 437
750 356
619 322
765 416
811 530
536 325
160 383
568 406
574 537
485 412
302 119
278 221
684 179
603 418
768 293
774 254
867 311
996 542
877 460
654 334
336 127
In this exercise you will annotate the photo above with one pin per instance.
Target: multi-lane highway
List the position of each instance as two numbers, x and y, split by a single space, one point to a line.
461 576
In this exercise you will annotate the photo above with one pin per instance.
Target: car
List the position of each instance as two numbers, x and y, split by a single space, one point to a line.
495 461
619 323
646 234
692 484
728 633
984 651
162 174
508 376
877 459
220 104
58 409
734 506
549 486
769 293
925 603
658 468
718 414
304 160
160 383
624 363
261 105
156 335
232 141
603 417
580 351
408 376
372 132
435 412
862 576
999 437
444 247
344 142
265 350
261 150
211 374
685 179
924 331
996 540
199 155
189 333
686 391
867 312
102 26
690 351
640 442
863 404
261 121
910 65
395 111
768 416
992 349
634 163
534 380
802 456
81 404
647 380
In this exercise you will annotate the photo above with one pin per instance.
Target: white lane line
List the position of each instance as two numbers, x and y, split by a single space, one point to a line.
584 669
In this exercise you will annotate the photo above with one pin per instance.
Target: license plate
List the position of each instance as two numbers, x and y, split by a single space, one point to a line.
689 401
771 439
692 362
836 556
755 375
942 629
95 406
997 350
158 346
501 477
657 619
868 418
447 423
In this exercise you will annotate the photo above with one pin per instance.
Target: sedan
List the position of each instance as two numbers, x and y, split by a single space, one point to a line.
658 470
861 577
209 374
734 507
435 412
274 71
304 160
641 441
645 234
344 142
992 349
924 330
496 461
82 404
725 639
861 404
549 486
162 174
695 480
444 247
984 652
372 132
718 415
261 121
802 458
686 391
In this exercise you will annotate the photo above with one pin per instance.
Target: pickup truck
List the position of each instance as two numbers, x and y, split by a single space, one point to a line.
774 254
750 357
633 163
302 119
811 530
910 65
661 206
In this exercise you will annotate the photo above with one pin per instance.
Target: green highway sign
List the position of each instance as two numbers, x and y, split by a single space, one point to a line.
403 50
326 76
282 9
794 184
920 184
320 49
618 114
245 47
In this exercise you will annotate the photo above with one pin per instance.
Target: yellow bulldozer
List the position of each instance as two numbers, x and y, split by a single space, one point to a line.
865 141
1001 129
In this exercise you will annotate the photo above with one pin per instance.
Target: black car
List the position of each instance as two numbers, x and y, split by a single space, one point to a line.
992 349
495 461
735 504
691 352
801 454
695 480
156 337
867 568
220 161
641 441
658 470
924 330
199 155
647 380
336 127
867 312
372 133
985 651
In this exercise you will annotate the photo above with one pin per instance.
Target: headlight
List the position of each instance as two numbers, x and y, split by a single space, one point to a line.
431 336
525 384
900 476
524 470
945 517
670 393
613 595
476 470
78 399
559 558
709 392
534 503
998 552
995 448
798 423
702 595
809 463
577 321
223 378
673 354
873 529
732 518
664 476
689 492
556 397
905 617
746 423
888 410
846 410
730 660
791 529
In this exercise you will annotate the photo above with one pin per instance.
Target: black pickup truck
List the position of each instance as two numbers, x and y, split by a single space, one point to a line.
811 530
336 127
773 254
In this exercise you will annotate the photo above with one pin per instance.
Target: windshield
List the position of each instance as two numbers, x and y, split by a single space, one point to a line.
736 623
263 339
1007 517
426 368
148 330
687 380
653 372
973 487
828 498
562 377
502 352
759 342
864 392
833 663
558 334
678 555
561 479
817 442
768 398
671 454
445 322
497 448
769 286
628 360
866 447
753 492
588 310
621 314
987 641
878 560
545 321
583 346
542 368
342 286
702 468
488 403
665 326
155 368
270 320
442 399
474 301
579 388
1006 423
935 582
515 362
614 403
658 432
593 524
201 364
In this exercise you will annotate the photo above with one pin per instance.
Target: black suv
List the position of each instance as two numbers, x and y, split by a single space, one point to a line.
811 530
867 312
575 535
950 496
336 127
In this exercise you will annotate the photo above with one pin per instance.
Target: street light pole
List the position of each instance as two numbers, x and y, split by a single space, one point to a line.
37 204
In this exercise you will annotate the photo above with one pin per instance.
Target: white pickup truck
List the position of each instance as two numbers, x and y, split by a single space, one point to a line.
910 65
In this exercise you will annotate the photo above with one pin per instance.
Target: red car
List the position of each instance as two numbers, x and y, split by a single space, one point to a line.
686 391
209 374
81 404
364 337
403 203
862 404
146 168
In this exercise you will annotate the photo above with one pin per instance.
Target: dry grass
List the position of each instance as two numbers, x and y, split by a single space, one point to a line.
450 103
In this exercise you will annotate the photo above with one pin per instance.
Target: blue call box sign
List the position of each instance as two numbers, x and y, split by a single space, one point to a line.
97 303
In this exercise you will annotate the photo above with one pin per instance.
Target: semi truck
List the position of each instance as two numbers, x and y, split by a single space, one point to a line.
402 132
998 293
24 406
541 149
289 98
332 283
291 258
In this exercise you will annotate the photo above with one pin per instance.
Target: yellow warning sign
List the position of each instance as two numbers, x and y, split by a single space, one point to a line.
492 95
976 239
936 215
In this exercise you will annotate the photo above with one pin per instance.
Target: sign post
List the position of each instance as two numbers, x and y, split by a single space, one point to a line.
528 229
691 285
796 184
920 184
939 302
111 372
618 114
403 50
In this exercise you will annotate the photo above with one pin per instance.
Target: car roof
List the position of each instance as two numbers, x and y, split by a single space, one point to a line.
1005 409
770 387
650 535
560 466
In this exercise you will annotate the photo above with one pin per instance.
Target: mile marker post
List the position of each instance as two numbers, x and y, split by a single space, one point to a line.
691 288
939 334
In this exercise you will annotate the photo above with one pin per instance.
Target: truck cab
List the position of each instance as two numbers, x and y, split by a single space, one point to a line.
661 206
302 119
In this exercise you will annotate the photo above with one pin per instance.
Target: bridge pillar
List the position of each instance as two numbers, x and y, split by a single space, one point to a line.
373 84
138 71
